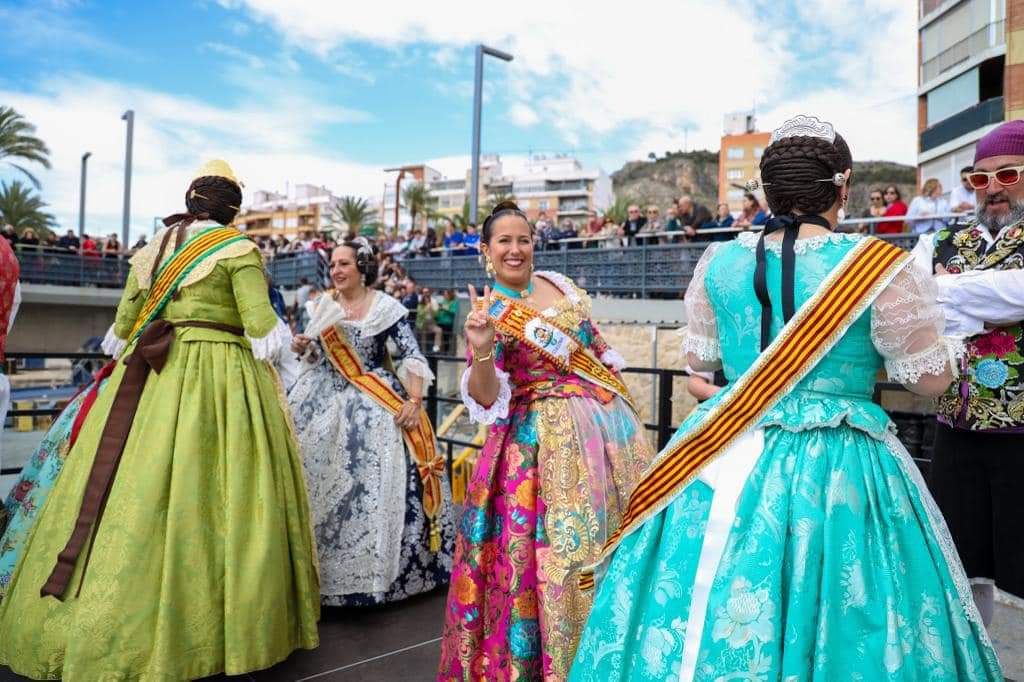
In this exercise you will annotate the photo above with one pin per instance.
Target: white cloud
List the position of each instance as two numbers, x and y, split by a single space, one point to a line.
523 115
173 135
679 66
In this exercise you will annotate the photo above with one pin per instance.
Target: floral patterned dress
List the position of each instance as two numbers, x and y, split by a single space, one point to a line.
365 491
811 549
552 480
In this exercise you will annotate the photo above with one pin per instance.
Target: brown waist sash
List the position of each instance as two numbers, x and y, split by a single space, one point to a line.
150 353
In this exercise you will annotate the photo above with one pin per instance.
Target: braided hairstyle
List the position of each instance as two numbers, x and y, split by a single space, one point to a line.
210 197
503 208
792 167
366 259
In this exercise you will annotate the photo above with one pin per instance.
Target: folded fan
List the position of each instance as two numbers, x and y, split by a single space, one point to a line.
324 312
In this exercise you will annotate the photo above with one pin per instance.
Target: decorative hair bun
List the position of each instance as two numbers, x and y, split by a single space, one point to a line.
507 205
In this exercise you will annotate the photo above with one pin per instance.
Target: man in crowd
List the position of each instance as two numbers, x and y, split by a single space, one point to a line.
69 242
635 221
978 459
692 215
410 299
961 198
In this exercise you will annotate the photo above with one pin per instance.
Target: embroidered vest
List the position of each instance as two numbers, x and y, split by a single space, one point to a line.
9 271
989 394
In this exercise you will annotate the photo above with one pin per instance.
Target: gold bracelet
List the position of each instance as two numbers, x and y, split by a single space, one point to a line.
484 358
415 401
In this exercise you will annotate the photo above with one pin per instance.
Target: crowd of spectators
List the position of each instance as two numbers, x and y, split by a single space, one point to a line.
69 243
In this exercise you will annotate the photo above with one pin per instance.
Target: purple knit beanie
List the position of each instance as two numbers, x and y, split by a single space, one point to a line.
1006 140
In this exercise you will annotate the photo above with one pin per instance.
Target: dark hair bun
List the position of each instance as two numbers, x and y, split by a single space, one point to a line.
793 170
214 196
507 205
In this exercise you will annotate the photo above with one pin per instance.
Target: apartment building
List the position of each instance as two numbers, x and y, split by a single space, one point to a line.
306 207
739 157
971 78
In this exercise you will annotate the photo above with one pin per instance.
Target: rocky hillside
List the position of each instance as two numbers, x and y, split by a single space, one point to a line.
696 173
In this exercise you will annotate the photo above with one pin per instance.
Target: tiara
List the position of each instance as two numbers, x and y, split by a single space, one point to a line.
804 126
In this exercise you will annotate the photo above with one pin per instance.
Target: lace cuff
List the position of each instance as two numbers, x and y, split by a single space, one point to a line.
113 345
612 359
944 355
499 410
270 346
413 366
705 348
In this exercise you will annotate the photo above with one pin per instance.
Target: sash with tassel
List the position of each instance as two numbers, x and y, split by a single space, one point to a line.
559 345
420 440
845 294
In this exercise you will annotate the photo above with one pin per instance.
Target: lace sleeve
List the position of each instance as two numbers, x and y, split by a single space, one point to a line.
701 336
409 360
907 326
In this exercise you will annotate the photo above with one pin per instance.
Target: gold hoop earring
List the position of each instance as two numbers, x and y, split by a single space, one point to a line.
489 266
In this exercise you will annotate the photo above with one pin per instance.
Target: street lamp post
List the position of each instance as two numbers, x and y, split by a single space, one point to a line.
81 197
478 86
129 117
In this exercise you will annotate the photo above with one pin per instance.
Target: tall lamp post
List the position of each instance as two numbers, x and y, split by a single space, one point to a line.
81 198
129 117
478 86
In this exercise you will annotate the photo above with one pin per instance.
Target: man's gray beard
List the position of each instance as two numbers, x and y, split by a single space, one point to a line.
998 222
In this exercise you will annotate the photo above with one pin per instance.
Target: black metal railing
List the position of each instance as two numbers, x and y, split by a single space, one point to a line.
644 270
41 265
914 429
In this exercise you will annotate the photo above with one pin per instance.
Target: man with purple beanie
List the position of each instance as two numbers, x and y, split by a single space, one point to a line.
977 468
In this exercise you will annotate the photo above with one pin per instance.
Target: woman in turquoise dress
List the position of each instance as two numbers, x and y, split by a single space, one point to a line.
811 547
29 494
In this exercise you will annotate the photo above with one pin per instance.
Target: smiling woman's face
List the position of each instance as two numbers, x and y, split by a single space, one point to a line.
511 250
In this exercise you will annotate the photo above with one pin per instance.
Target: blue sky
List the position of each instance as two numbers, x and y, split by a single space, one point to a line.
331 93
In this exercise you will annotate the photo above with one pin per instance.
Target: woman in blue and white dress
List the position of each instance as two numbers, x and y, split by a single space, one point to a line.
365 491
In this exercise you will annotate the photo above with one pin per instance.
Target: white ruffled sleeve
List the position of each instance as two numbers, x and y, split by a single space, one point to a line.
112 344
907 329
701 336
612 359
499 410
271 346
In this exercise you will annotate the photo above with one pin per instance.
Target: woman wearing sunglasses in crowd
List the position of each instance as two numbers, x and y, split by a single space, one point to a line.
894 207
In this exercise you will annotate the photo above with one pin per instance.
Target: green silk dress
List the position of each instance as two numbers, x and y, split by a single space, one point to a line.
204 560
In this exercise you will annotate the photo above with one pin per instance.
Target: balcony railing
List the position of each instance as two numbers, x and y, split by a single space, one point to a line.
980 115
961 51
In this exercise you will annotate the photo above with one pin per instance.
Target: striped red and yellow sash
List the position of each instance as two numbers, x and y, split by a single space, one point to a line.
174 270
420 441
558 344
816 327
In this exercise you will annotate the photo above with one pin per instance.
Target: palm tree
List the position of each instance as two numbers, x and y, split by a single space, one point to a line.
18 141
20 208
461 220
351 213
617 211
418 200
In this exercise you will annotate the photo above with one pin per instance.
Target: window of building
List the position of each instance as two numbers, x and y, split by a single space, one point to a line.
543 204
758 152
953 96
735 194
734 174
734 153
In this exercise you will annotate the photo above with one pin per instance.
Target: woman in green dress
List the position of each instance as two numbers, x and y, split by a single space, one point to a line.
180 519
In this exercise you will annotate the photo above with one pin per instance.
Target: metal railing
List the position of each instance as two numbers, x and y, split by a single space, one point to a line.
913 428
648 267
644 270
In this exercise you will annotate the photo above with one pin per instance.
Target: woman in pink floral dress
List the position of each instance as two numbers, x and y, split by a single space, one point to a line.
564 450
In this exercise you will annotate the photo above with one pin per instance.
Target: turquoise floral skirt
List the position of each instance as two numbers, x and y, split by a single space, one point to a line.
835 565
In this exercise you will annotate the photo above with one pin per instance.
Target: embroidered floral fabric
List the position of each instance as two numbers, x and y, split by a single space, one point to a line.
835 563
364 488
551 481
